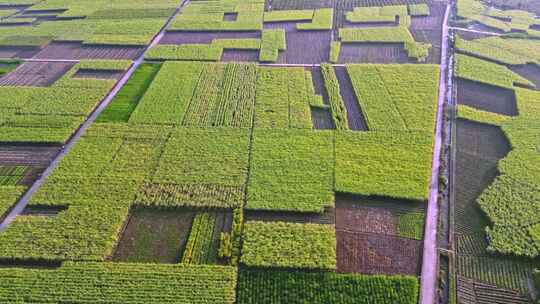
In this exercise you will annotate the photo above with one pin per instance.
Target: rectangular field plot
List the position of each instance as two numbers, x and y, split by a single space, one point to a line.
36 74
75 50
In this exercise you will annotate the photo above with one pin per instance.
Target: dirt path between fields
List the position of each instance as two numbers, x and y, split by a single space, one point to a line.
23 201
430 258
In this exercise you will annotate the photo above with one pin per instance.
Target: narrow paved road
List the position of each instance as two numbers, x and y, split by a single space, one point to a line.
430 258
23 201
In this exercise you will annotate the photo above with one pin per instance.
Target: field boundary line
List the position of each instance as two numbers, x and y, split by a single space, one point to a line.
23 201
430 256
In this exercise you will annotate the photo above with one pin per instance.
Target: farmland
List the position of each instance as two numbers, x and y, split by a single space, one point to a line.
495 185
262 151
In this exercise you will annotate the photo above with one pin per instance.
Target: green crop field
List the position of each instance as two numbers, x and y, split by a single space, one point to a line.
268 152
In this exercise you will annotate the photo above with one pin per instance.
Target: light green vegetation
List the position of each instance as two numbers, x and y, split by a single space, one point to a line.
322 20
397 34
199 245
421 9
272 42
393 164
411 225
88 283
397 97
291 170
51 114
11 175
8 196
335 49
505 21
472 114
282 98
387 13
7 12
122 22
276 287
337 107
209 16
486 72
292 15
504 50
290 245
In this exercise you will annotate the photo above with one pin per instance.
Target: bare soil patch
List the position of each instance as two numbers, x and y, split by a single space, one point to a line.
154 236
36 74
240 55
98 74
352 104
327 217
172 37
471 292
358 52
32 155
318 82
486 97
322 118
76 50
471 35
530 71
373 253
23 52
298 4
43 210
230 16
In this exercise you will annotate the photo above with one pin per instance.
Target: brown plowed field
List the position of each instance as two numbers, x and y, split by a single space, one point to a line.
27 155
98 74
352 104
18 52
36 74
76 50
530 71
372 253
240 55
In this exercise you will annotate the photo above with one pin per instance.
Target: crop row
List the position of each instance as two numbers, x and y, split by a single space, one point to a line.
199 249
504 50
337 107
273 287
119 283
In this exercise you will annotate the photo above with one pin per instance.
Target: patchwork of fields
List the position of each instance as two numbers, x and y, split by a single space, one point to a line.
252 151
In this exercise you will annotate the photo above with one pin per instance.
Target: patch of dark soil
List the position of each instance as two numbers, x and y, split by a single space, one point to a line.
343 23
486 97
530 71
172 37
318 82
23 52
76 50
43 210
470 291
479 148
471 35
44 11
296 53
31 175
154 236
230 16
298 4
357 52
372 253
98 74
432 37
322 118
38 264
327 217
240 55
35 155
36 74
352 104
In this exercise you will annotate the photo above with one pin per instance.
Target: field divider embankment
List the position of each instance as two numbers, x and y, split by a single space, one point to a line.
23 201
430 256
474 31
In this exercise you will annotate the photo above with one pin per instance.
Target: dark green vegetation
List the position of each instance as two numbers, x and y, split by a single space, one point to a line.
256 286
127 99
7 66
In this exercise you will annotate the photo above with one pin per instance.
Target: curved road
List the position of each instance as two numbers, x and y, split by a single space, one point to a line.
23 201
430 257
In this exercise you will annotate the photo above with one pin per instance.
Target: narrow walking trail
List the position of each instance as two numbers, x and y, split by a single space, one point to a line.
430 257
23 201
474 31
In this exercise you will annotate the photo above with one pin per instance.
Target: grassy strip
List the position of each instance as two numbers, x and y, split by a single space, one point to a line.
322 20
195 52
272 42
335 49
504 50
125 102
288 15
337 107
199 244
